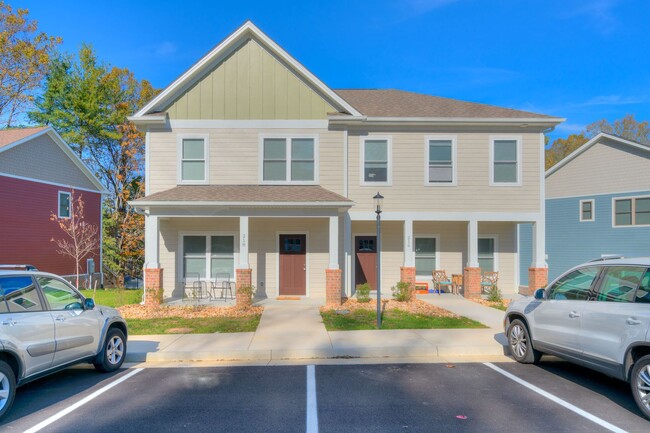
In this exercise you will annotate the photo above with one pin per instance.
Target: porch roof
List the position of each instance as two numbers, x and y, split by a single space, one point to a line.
245 195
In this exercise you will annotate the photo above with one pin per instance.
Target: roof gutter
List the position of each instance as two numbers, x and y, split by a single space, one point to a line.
151 203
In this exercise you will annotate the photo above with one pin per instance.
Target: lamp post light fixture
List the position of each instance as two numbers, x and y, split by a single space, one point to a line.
379 199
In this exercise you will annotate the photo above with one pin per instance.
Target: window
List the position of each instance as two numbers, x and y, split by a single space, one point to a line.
620 284
486 254
643 292
587 210
425 256
575 285
289 160
59 295
206 256
376 161
633 211
505 166
441 154
19 295
64 204
194 160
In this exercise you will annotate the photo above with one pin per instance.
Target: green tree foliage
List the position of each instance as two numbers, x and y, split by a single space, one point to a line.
24 60
88 103
627 127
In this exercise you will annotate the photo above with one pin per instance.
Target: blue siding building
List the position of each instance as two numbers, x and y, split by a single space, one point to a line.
597 203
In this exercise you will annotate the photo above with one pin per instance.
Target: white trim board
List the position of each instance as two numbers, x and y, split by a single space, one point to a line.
248 124
448 216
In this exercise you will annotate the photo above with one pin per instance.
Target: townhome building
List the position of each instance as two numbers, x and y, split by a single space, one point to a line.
257 169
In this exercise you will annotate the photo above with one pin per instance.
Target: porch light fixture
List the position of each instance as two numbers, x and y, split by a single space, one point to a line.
379 200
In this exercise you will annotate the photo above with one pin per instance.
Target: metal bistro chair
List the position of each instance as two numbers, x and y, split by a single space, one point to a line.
222 282
440 279
489 280
197 289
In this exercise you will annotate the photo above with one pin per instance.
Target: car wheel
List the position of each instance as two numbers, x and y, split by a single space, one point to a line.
640 383
113 353
7 388
521 346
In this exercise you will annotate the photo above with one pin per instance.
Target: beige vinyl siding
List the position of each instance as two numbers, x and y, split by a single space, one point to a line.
606 167
250 84
472 193
41 158
234 156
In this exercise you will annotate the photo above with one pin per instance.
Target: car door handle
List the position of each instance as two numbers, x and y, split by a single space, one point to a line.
60 319
9 322
632 321
574 314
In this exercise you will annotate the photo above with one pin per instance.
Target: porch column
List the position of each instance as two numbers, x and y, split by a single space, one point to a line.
538 271
472 271
153 274
347 247
407 272
243 243
333 273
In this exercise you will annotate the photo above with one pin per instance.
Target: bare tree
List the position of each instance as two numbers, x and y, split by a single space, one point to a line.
79 237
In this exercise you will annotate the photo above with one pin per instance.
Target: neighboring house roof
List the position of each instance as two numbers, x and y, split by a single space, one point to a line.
399 103
590 144
245 195
12 138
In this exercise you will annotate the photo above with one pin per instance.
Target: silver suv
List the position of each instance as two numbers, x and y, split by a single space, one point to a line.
596 315
47 325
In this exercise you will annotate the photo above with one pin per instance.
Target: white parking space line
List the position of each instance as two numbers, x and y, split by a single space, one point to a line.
312 407
585 414
81 402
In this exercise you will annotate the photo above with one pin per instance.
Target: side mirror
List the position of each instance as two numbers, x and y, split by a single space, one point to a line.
89 304
540 294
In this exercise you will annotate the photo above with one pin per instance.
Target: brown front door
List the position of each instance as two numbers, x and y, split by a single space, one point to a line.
365 248
293 265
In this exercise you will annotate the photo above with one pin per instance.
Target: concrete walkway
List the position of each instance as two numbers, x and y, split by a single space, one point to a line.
294 330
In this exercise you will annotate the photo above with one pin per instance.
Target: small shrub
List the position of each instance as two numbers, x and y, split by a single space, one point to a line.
403 291
494 294
363 293
247 292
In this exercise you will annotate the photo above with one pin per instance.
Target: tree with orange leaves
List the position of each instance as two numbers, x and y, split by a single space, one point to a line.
80 238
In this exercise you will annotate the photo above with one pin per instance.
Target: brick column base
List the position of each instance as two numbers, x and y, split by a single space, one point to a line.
472 283
407 275
244 280
537 278
333 287
153 286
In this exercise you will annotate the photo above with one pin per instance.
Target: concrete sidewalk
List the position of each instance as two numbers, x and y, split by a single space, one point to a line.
294 330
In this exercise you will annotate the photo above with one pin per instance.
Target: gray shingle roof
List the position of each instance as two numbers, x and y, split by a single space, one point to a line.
245 194
398 103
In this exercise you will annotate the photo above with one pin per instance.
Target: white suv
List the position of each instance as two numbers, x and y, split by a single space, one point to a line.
47 325
596 315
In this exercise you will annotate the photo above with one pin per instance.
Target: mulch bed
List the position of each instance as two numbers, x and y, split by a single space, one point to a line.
415 306
148 312
504 302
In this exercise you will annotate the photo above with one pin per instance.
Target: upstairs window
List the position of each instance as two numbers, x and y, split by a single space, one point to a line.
376 161
64 204
194 160
440 165
288 160
505 162
632 212
586 210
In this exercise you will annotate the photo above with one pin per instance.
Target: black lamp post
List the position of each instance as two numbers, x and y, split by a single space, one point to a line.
378 202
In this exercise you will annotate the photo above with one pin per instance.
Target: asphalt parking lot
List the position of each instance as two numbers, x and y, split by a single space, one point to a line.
475 397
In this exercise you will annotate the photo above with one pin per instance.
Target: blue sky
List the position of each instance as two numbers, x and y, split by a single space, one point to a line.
580 59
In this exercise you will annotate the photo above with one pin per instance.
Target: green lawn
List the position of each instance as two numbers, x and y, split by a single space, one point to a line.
206 325
114 297
393 319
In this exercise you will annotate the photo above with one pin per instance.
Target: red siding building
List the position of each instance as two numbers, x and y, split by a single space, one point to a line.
40 176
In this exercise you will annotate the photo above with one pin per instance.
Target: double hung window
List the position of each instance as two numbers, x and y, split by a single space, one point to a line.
288 160
206 256
634 211
425 255
376 161
194 160
505 162
440 165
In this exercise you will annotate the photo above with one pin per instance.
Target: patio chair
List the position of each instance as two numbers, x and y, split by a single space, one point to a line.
223 285
441 279
489 280
456 283
194 287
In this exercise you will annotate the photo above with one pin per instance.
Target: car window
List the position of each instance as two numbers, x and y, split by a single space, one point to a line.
19 295
59 295
620 283
575 285
643 292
